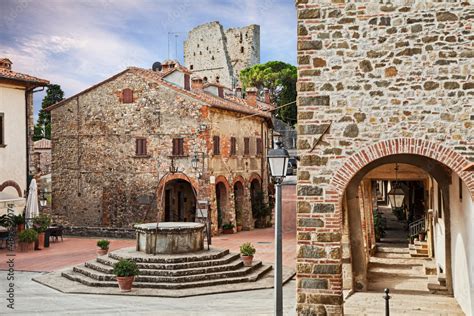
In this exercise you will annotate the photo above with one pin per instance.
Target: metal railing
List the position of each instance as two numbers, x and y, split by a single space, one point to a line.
416 227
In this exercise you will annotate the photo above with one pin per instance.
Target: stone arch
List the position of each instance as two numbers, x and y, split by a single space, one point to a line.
434 158
254 176
240 206
420 147
161 193
223 205
11 183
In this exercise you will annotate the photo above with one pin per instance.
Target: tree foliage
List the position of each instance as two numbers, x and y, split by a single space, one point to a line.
54 94
280 78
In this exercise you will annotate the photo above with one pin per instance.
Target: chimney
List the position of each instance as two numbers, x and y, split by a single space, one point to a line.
238 92
6 63
196 83
251 96
267 96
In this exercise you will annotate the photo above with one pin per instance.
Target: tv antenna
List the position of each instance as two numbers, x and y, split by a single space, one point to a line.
175 36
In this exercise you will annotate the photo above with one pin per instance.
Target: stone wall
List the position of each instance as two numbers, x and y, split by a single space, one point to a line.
386 78
212 52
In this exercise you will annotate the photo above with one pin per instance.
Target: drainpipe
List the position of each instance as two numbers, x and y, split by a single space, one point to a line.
27 136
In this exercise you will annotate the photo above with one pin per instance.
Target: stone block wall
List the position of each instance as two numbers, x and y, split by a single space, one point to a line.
379 79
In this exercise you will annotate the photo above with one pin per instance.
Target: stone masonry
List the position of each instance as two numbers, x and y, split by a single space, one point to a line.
98 178
219 55
390 77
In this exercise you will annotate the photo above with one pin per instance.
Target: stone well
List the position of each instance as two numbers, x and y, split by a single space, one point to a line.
170 237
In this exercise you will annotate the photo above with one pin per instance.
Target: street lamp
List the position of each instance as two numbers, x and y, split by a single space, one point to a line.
396 194
194 162
43 201
278 162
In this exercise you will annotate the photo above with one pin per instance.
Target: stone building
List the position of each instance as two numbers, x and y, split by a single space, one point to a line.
382 84
42 155
16 133
219 55
149 145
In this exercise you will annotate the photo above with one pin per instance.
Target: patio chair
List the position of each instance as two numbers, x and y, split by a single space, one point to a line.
56 232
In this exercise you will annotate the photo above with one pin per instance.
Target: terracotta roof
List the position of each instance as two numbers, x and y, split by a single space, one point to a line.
42 144
228 103
13 75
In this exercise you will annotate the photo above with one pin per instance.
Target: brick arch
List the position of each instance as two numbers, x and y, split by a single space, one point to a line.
420 147
238 179
11 183
177 176
255 176
223 180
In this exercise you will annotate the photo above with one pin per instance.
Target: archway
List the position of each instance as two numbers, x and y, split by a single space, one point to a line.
222 204
257 203
179 201
239 203
443 165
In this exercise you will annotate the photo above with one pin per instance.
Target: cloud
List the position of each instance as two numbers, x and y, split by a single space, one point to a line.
79 43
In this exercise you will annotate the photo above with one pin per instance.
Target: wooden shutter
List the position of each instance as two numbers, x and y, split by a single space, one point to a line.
220 92
246 146
2 139
178 147
187 84
140 147
175 147
259 146
127 96
216 142
233 146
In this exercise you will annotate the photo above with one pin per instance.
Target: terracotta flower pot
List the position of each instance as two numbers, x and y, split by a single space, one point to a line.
40 241
125 283
228 231
101 252
239 228
26 246
421 237
20 228
247 260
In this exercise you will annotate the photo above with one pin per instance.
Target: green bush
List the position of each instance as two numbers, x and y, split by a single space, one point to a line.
228 226
125 268
378 225
28 235
41 223
19 219
103 244
247 249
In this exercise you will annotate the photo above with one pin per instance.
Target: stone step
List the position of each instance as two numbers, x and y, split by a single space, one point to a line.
392 255
392 250
226 259
233 265
94 274
430 267
374 275
409 270
442 279
253 276
204 255
439 289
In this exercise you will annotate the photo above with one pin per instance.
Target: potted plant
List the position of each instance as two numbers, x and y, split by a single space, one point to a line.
239 226
125 271
41 224
228 228
27 240
102 247
19 221
247 250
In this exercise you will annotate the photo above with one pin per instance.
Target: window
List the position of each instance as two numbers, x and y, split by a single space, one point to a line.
127 96
242 49
217 147
440 203
220 91
233 146
178 147
246 146
2 130
140 147
460 189
259 146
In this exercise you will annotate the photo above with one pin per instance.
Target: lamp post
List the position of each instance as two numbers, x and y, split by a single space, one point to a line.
278 162
42 200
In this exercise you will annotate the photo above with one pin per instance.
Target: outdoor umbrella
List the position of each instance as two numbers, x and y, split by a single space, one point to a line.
32 207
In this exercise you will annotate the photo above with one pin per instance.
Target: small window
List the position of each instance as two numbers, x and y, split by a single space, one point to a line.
240 40
460 189
233 146
259 146
127 96
140 147
191 67
217 146
178 147
242 49
246 146
2 130
220 92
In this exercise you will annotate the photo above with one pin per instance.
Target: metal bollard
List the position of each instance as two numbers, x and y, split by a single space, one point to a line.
386 298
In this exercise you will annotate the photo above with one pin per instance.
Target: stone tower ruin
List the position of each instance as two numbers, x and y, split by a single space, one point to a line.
219 55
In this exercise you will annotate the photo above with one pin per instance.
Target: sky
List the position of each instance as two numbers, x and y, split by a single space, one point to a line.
77 43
